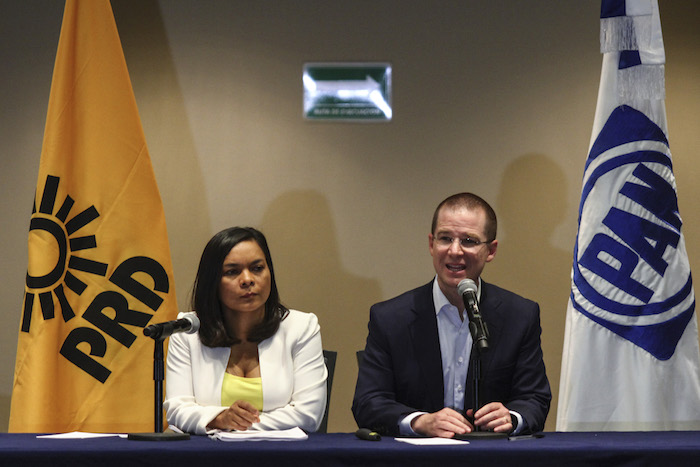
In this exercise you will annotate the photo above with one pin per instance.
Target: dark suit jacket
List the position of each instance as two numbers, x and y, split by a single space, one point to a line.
401 370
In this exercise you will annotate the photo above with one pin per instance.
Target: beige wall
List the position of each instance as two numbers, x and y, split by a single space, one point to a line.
493 97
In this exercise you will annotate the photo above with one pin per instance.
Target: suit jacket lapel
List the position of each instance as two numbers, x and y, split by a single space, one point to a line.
426 345
490 306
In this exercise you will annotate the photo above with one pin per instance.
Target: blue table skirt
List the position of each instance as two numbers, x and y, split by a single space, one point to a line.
667 449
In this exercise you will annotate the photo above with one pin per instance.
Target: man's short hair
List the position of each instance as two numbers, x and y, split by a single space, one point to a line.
469 201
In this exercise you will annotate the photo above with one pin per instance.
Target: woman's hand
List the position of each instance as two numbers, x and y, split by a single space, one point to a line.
240 416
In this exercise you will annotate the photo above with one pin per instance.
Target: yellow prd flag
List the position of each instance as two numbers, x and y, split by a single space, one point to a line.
99 267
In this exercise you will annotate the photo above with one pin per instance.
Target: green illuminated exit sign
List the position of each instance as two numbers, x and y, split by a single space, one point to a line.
347 91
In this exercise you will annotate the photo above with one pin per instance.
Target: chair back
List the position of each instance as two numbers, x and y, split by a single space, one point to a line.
329 357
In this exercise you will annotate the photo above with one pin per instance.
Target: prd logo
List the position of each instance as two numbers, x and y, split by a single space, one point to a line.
54 276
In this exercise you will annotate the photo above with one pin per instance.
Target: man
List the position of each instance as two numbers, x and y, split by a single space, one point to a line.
416 373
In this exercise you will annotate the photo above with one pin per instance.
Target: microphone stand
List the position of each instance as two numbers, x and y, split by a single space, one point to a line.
476 397
158 377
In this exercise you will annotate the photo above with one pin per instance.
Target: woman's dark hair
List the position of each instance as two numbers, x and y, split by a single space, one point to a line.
205 292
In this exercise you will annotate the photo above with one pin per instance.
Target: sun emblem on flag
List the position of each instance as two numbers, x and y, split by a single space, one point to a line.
52 266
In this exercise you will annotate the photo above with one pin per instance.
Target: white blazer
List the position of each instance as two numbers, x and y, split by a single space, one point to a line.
291 367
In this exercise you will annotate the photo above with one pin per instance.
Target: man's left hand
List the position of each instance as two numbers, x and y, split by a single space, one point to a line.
494 416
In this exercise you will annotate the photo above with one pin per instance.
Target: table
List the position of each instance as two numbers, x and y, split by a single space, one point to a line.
344 449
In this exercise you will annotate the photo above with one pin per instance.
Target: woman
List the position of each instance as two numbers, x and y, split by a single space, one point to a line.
254 364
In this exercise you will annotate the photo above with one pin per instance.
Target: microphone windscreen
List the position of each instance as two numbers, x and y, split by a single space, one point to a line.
466 285
194 319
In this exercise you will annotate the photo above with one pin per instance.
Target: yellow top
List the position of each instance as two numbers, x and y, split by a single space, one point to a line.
240 388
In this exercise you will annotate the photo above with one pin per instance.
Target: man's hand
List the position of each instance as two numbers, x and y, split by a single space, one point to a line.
494 416
446 423
240 416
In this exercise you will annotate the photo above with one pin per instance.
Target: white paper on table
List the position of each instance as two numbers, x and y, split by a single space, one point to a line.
80 435
292 434
432 441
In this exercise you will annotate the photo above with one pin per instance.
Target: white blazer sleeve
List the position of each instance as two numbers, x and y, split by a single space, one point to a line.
293 375
193 385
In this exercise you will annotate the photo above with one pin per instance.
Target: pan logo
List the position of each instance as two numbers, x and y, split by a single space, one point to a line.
631 272
56 264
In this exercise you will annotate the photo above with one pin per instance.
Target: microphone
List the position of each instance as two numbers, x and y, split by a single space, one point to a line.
188 323
477 327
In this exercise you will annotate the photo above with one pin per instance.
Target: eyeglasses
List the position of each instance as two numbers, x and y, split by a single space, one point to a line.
466 243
